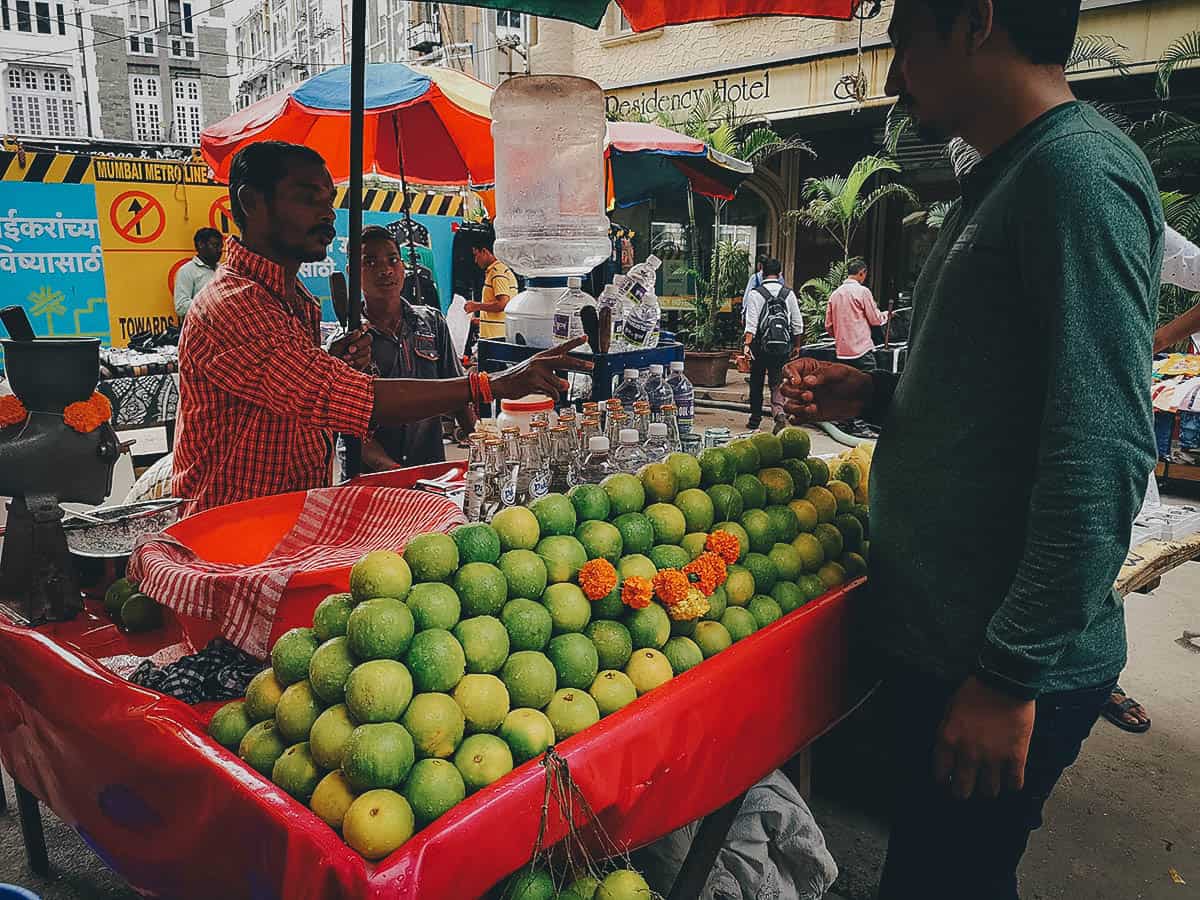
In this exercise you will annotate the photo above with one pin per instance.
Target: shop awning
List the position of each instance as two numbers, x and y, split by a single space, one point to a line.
644 15
644 161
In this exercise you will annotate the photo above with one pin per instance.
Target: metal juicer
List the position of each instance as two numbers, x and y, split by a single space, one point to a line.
44 462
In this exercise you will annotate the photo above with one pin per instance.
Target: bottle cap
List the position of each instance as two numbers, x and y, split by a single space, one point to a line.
629 435
598 444
677 366
656 370
574 281
658 429
631 373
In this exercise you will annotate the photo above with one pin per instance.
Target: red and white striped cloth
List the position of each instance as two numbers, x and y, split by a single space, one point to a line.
335 527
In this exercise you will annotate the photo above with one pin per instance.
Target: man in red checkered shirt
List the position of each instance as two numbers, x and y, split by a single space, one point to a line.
259 398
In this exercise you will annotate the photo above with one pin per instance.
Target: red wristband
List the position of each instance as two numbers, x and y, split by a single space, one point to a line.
473 384
485 386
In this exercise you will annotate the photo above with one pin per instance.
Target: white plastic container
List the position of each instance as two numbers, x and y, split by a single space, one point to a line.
529 316
520 413
549 135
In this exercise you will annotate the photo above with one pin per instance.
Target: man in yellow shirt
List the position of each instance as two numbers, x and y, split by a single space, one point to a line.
499 286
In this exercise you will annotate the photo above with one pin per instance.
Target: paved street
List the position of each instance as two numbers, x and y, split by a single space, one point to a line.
1121 819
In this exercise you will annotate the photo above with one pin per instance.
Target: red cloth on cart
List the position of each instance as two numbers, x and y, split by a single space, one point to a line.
336 526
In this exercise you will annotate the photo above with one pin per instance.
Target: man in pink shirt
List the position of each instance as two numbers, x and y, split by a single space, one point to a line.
852 312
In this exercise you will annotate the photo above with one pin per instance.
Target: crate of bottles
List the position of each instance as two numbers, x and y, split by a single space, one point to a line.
495 356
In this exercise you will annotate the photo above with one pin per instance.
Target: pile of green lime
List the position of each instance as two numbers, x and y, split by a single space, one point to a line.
447 665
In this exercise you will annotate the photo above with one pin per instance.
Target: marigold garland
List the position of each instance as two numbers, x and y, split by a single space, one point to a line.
597 577
692 607
88 415
12 411
725 545
637 592
671 586
710 572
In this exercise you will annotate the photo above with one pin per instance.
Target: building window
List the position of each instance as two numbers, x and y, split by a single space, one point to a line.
42 13
141 25
62 19
41 102
145 107
508 19
182 29
24 16
185 92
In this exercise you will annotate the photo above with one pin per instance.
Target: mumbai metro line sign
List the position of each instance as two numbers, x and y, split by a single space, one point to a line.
740 89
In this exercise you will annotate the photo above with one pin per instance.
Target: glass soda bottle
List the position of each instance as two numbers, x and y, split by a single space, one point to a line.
617 422
476 479
669 417
596 465
533 470
563 451
641 419
495 480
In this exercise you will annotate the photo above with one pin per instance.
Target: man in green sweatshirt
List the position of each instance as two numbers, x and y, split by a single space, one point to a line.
1015 447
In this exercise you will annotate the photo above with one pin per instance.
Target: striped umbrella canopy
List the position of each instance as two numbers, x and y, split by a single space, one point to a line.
441 116
644 15
644 160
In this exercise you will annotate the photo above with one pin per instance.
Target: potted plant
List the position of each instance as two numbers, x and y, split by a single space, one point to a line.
708 331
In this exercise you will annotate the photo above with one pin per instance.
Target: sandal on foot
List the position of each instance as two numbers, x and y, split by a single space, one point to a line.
1115 712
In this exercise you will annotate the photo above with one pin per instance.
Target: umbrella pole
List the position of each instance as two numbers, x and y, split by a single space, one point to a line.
358 78
408 222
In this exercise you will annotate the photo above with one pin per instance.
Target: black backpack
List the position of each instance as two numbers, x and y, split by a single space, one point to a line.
774 336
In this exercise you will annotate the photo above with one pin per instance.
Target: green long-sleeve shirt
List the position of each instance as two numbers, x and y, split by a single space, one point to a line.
1018 441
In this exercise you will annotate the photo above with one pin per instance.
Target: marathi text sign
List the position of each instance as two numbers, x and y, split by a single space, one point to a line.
51 263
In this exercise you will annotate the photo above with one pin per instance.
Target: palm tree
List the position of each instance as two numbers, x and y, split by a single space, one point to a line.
839 204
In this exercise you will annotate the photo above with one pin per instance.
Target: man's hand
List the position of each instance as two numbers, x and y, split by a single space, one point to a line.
354 349
472 306
536 374
983 742
816 391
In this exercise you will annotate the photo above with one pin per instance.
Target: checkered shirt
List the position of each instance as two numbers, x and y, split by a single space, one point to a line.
258 397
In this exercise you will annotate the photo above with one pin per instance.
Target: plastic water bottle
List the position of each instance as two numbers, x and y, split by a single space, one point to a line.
629 456
567 323
630 391
685 397
641 326
658 445
658 392
596 465
613 298
642 278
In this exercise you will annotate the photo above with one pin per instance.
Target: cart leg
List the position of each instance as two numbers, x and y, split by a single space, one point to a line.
31 831
3 795
703 854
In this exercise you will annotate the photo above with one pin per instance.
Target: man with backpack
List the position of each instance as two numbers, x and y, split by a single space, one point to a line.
774 334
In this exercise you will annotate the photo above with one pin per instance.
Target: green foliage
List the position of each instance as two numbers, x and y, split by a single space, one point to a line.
1184 49
839 204
706 327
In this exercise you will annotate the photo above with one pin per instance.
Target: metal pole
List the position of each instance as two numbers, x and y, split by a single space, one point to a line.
407 207
358 79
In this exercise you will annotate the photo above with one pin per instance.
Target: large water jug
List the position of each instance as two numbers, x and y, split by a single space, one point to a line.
529 316
550 204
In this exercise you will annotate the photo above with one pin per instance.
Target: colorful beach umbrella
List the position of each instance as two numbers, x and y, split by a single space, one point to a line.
643 161
441 116
644 15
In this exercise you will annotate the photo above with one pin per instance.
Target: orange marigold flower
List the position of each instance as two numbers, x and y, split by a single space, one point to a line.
724 545
671 586
88 415
12 411
637 592
709 571
597 577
